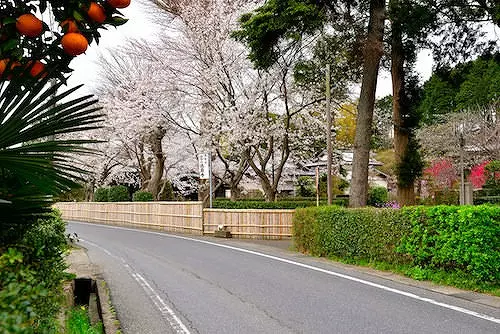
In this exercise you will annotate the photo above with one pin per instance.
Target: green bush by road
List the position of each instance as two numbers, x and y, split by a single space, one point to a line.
31 276
461 243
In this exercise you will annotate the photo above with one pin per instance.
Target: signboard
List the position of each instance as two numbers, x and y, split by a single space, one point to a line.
204 164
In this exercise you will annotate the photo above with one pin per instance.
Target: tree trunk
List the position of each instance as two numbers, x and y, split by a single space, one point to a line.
269 190
405 192
235 192
372 53
154 183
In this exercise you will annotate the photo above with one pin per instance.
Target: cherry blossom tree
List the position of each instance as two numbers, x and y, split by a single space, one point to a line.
247 118
134 95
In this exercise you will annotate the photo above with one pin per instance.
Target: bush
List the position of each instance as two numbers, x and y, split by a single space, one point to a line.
377 196
463 241
118 194
366 233
142 196
31 278
101 195
463 238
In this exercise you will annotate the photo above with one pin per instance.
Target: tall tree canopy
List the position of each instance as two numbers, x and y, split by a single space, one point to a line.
466 86
280 24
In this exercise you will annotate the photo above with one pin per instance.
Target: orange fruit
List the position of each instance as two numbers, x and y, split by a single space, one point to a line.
119 3
74 43
69 25
36 68
29 25
96 13
3 65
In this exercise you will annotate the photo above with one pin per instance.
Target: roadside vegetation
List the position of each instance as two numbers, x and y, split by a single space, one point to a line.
37 114
31 278
78 322
454 245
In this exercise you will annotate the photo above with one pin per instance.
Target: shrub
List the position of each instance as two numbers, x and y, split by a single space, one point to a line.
377 196
118 194
101 195
366 233
31 278
142 196
463 238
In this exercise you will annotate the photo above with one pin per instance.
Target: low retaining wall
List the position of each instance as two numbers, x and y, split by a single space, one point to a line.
184 217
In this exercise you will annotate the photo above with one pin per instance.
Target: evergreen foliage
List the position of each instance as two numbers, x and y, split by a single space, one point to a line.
462 241
118 194
142 196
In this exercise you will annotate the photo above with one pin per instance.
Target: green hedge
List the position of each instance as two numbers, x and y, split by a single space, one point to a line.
142 196
367 233
464 238
283 204
450 238
31 276
118 194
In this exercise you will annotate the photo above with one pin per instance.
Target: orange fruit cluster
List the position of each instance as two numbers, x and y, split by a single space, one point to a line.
73 41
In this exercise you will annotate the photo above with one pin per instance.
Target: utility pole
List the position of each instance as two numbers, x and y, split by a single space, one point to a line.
462 181
329 149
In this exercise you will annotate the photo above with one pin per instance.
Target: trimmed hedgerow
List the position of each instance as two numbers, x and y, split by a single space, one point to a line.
463 238
288 204
366 233
142 196
454 239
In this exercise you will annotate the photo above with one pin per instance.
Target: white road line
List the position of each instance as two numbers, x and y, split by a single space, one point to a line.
328 272
166 311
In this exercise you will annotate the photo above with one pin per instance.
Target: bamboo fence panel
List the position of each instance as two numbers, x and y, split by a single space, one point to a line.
250 224
184 217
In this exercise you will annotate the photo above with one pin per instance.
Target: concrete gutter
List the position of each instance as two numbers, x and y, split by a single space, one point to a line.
80 265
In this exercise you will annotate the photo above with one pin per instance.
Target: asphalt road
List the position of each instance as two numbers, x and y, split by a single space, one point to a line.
163 283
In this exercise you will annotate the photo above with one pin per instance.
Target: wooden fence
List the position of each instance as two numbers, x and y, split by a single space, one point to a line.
251 224
184 217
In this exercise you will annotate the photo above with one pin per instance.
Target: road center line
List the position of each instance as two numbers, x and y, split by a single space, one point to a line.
166 311
328 272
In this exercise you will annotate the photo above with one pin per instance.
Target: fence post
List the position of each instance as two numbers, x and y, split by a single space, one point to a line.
202 219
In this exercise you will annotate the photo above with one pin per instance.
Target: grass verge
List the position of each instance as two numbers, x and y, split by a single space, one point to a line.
78 322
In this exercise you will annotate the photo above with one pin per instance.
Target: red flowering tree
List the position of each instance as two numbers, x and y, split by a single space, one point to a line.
441 174
477 175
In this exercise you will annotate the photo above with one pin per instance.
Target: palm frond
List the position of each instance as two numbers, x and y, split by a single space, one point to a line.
35 162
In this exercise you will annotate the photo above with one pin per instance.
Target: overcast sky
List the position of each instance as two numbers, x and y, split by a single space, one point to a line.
139 26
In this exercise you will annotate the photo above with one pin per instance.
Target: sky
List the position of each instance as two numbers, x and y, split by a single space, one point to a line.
140 26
